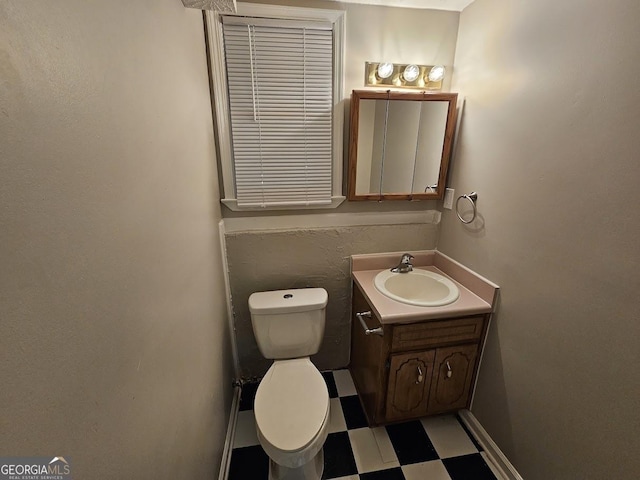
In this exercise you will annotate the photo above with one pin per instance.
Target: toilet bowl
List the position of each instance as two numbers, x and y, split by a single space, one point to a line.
292 418
292 401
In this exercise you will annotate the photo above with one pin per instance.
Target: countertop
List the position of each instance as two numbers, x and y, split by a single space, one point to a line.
477 294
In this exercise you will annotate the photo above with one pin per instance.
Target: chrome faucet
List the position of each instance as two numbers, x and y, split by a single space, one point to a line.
405 264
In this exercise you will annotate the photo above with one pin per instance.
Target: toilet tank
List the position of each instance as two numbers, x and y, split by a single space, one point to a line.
288 323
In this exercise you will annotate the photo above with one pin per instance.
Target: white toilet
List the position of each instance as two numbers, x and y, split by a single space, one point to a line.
292 401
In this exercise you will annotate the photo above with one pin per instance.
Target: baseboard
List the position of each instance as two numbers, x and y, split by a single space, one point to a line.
494 454
231 432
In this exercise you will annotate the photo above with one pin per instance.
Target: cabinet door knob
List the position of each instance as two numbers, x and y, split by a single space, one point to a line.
449 371
420 376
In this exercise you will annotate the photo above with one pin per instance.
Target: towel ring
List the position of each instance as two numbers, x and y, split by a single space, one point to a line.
472 197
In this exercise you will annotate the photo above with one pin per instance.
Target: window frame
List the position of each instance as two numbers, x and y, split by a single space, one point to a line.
217 72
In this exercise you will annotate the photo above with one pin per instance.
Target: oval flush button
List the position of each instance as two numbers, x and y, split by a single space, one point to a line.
288 295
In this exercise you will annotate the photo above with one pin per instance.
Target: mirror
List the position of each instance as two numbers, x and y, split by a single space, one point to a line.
400 144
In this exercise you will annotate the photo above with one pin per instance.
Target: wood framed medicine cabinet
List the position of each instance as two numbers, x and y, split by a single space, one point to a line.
400 144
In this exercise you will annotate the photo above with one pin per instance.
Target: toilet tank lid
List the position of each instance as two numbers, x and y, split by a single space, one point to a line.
288 301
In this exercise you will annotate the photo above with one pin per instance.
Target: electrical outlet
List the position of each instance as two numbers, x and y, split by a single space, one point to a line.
448 198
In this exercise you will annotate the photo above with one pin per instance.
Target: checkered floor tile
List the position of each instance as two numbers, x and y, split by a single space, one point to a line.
434 448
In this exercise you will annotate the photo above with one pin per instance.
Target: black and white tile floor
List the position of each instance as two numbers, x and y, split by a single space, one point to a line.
435 448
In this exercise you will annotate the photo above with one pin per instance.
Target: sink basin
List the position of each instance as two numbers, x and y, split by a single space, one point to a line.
418 287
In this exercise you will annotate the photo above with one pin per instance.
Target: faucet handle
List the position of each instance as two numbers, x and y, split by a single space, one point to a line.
406 258
405 264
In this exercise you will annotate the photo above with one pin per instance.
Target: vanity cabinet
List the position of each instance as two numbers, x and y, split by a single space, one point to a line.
414 369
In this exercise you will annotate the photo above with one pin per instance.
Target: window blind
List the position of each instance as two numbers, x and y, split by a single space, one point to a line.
280 77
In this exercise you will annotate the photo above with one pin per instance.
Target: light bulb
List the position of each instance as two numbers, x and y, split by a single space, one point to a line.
410 73
385 70
437 73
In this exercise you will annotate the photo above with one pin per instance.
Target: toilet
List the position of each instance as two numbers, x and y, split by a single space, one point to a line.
292 401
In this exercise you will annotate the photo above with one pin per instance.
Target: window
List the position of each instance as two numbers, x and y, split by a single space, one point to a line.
277 89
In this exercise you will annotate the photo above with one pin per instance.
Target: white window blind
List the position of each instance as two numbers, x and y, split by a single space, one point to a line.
280 82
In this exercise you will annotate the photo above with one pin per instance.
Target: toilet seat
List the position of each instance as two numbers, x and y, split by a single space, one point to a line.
291 405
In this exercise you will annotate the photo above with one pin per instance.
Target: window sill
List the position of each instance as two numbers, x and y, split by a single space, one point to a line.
232 204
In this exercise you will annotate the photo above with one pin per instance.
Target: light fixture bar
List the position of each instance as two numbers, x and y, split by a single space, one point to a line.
401 75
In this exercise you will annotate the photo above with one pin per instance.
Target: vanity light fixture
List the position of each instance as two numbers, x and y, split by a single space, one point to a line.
400 75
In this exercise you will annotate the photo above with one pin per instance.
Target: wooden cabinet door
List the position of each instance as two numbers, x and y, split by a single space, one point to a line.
452 378
410 377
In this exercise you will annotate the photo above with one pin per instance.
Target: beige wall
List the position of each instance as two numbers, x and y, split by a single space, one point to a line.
115 350
400 35
300 258
550 142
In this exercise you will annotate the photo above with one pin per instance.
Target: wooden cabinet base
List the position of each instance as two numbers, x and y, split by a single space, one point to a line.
414 370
